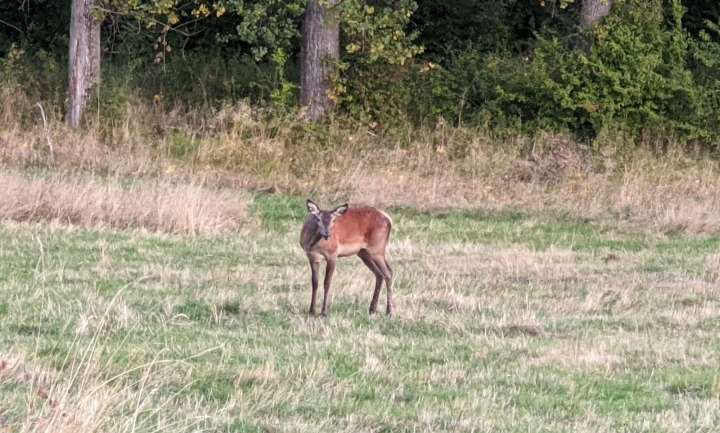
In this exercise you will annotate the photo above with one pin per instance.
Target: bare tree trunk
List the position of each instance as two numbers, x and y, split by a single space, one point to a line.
320 47
84 63
593 11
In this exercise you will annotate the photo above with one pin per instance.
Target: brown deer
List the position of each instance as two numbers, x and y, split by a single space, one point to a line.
342 232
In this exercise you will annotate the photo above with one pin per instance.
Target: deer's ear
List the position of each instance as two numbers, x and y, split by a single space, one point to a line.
312 207
340 210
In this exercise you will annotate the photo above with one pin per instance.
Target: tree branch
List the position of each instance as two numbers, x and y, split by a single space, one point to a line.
11 26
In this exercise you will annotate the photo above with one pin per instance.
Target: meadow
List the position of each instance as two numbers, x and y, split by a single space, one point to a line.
506 320
151 279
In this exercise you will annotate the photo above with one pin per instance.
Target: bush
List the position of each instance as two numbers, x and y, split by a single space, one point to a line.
27 79
635 74
643 74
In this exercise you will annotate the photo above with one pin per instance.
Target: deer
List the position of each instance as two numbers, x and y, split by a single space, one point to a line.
344 232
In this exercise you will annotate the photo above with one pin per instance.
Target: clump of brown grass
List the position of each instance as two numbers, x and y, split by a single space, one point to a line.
159 206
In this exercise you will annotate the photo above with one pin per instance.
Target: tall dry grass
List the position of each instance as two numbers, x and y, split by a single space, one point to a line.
156 206
427 168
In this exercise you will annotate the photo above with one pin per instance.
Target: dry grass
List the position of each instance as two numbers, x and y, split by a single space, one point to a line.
671 194
156 206
427 169
84 399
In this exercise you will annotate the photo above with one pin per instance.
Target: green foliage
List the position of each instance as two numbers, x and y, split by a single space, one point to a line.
636 77
260 26
515 92
9 66
253 28
148 8
181 145
464 43
704 63
377 46
27 78
198 78
652 70
635 74
284 94
389 95
40 25
377 93
487 26
440 99
449 27
699 14
375 31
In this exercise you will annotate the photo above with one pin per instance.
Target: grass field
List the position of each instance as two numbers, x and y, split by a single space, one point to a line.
505 322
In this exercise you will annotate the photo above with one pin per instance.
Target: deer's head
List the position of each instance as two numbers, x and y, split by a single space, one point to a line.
325 219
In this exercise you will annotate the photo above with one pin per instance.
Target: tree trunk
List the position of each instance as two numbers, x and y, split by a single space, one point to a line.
84 63
593 11
320 49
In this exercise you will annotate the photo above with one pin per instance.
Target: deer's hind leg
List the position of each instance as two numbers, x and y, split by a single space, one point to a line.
370 263
387 273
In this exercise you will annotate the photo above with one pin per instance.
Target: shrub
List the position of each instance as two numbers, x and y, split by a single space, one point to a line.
643 74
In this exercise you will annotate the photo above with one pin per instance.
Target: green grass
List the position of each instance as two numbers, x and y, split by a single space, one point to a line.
505 322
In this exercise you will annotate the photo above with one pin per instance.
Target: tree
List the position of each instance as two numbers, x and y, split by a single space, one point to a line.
319 55
84 59
591 13
373 35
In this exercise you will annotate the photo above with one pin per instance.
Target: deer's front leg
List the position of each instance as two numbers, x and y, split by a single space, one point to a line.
314 267
329 271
